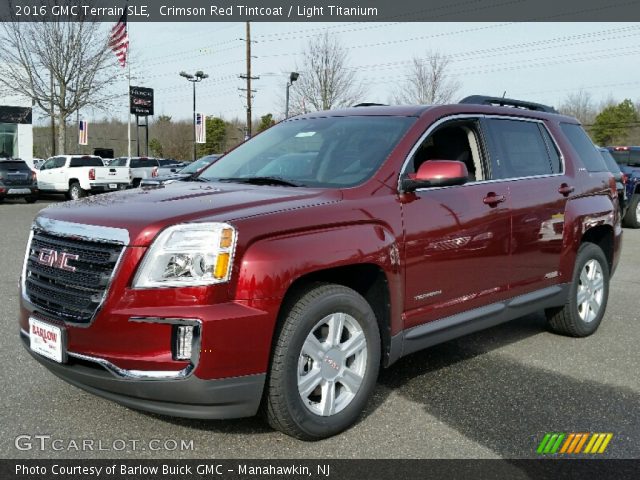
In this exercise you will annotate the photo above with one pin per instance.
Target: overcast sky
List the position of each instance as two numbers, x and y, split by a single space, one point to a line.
541 62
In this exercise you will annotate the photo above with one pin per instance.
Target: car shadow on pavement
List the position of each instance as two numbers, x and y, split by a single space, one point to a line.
242 426
505 405
406 371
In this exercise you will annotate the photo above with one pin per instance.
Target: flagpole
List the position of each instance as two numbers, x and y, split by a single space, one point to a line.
128 89
128 107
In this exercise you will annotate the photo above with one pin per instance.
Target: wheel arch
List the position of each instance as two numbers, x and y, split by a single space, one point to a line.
590 219
367 279
363 257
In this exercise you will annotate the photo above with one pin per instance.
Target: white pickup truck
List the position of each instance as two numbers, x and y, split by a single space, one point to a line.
78 175
144 168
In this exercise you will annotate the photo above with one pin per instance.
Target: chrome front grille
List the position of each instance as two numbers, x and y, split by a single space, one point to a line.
67 277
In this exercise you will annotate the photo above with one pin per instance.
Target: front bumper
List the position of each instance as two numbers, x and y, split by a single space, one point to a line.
182 396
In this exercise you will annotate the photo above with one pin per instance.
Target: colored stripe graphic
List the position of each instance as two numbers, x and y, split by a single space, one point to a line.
573 443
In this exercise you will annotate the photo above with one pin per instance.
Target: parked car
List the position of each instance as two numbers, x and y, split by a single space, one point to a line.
141 167
78 175
621 179
185 173
628 159
17 180
167 166
382 231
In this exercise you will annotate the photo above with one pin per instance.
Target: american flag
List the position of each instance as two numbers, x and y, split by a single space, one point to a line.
201 131
83 132
119 39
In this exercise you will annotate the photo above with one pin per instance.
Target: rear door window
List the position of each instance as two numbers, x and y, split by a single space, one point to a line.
584 147
520 149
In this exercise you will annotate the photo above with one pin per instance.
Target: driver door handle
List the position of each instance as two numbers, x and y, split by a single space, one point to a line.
492 199
565 189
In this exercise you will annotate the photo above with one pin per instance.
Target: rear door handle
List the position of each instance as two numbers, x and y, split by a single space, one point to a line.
492 199
566 189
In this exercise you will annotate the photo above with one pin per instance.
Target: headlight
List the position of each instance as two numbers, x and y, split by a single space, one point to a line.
189 254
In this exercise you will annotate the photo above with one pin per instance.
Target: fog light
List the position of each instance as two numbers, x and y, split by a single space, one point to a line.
183 342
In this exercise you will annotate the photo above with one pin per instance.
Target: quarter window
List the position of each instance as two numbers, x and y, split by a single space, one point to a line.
584 147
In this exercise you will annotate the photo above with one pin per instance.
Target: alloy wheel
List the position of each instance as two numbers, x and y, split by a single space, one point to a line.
332 364
590 290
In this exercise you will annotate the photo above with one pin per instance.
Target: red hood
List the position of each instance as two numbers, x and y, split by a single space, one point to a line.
145 211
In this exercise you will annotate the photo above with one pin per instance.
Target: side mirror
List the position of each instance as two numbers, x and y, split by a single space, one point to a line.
436 173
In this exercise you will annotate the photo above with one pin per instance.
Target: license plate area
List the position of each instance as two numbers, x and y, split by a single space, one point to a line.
18 191
113 186
47 340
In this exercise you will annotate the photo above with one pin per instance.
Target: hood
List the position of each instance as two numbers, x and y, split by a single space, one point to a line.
143 212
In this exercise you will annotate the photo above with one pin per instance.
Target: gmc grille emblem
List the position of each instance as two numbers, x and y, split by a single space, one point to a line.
53 258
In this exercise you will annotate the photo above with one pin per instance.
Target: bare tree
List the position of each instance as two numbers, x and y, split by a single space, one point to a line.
428 81
579 105
61 66
325 81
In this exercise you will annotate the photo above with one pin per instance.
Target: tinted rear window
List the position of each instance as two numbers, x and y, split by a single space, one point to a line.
14 165
143 162
584 147
626 157
86 162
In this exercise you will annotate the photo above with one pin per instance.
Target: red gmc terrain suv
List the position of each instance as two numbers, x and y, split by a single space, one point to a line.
289 271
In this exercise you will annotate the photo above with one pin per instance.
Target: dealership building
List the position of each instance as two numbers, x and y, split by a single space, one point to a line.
16 129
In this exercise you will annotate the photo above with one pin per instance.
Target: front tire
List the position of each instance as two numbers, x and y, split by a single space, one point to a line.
632 217
325 363
588 294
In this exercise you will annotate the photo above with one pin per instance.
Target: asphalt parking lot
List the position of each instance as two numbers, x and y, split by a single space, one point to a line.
488 395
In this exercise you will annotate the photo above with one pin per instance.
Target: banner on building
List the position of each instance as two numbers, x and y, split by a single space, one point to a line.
83 132
201 130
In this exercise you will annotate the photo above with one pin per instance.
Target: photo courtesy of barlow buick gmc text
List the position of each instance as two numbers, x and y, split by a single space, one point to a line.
348 240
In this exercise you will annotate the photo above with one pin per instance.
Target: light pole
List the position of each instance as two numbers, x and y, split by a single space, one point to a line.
195 78
292 78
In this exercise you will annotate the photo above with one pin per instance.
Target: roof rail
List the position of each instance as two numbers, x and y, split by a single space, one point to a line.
370 104
507 102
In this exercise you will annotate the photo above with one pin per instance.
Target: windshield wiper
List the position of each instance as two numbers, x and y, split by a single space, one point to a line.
193 178
262 181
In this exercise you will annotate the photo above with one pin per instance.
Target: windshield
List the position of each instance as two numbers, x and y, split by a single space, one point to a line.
317 152
198 165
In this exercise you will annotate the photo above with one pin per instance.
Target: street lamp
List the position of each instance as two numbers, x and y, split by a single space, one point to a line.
195 78
292 78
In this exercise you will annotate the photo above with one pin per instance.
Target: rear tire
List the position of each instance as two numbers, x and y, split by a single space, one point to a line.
632 217
136 182
75 191
32 199
325 363
588 294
